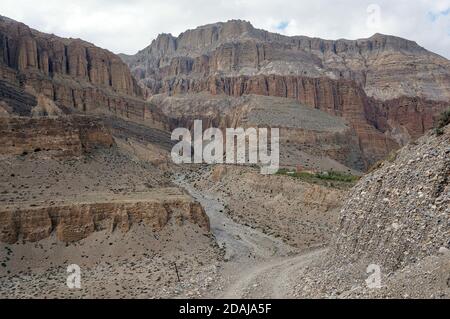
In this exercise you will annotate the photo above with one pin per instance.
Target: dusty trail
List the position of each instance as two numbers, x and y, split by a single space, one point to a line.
270 279
259 265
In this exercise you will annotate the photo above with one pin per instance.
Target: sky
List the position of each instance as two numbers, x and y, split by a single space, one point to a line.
129 26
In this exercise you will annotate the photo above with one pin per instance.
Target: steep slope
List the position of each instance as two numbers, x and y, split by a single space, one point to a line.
308 137
69 149
70 193
397 218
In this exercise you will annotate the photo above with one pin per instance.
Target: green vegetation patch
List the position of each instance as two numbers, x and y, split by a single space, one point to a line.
320 178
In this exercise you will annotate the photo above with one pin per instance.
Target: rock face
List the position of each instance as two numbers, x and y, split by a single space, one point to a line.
74 221
302 129
406 118
379 126
24 49
379 64
64 136
74 74
390 89
15 99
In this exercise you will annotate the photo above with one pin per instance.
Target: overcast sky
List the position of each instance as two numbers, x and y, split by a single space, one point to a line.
128 26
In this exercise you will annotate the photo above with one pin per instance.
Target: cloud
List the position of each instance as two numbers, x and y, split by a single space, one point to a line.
128 26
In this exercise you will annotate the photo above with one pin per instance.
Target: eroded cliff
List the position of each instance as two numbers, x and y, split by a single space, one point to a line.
63 136
74 220
385 66
75 75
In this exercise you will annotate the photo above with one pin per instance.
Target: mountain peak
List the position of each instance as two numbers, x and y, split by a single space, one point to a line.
397 43
221 31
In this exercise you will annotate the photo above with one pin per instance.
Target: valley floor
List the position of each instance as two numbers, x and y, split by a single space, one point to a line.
256 265
242 257
238 261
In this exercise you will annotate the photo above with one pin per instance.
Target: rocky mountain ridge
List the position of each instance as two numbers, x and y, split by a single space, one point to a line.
27 49
237 48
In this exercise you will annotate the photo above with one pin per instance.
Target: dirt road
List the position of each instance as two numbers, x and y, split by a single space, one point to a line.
258 265
272 279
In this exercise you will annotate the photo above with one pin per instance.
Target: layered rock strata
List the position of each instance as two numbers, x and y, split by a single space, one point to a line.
74 220
63 136
387 67
76 75
389 89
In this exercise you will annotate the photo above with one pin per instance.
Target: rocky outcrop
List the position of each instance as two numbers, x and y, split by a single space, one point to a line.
379 125
76 75
405 118
16 99
302 129
74 221
63 136
24 49
386 67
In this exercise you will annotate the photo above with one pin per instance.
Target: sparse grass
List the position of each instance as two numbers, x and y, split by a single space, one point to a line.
323 178
443 121
338 176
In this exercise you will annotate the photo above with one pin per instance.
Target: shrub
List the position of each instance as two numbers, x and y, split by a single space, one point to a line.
337 176
443 121
323 176
390 158
438 131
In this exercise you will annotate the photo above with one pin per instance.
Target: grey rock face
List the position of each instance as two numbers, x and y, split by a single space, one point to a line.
385 66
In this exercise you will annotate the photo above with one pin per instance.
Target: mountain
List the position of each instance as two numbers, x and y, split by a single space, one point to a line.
236 48
86 176
389 89
82 172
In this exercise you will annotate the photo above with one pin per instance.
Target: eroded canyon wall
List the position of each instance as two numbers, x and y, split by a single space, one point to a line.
390 89
74 74
72 222
64 136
